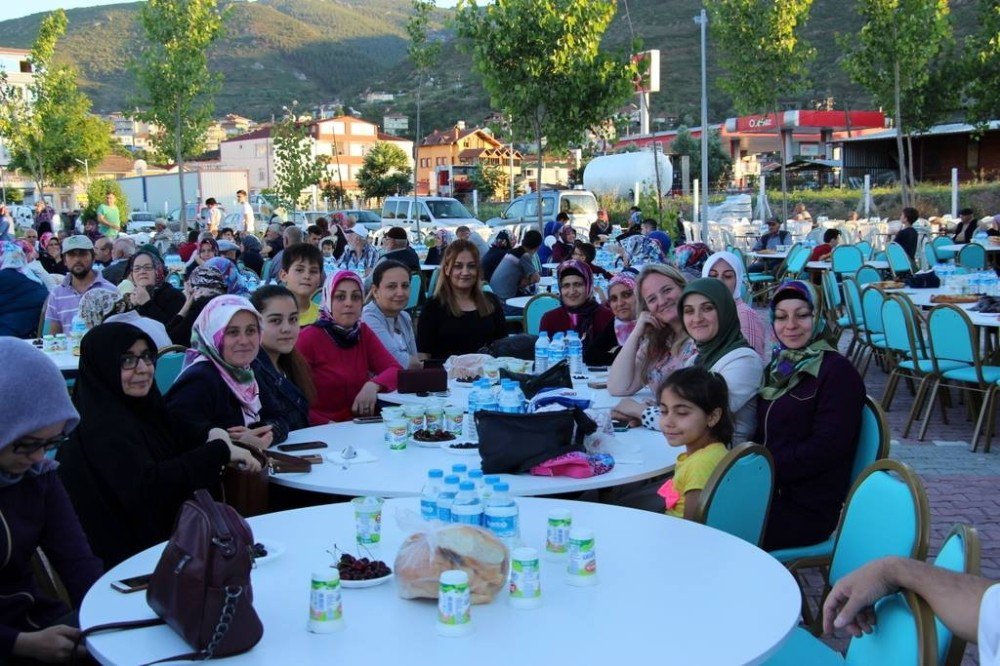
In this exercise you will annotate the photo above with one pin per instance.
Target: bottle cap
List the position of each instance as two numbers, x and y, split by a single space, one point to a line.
457 469
501 487
454 577
581 534
475 473
467 485
435 473
560 514
451 478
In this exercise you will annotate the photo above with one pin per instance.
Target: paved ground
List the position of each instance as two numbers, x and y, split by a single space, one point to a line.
962 487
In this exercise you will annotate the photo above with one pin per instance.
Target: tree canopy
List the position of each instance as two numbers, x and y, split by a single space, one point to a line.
296 168
385 172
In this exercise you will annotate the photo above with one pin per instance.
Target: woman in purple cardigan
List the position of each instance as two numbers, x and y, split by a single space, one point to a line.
36 510
580 312
808 417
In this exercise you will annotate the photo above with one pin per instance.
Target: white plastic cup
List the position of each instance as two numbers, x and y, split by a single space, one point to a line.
454 604
581 566
525 579
557 534
368 521
398 433
415 417
326 613
454 419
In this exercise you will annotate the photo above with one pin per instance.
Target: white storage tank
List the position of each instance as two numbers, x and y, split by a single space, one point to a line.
618 174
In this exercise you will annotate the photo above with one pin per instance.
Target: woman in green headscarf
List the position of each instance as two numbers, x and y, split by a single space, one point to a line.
708 313
808 417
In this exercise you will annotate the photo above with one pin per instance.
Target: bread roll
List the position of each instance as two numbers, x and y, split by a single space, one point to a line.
423 556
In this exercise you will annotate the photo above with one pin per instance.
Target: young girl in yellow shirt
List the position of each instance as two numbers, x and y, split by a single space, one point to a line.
694 413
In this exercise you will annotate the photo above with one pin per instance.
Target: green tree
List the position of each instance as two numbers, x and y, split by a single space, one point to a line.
175 83
97 190
763 59
296 168
489 179
423 54
891 54
981 66
48 127
334 193
720 164
385 172
542 65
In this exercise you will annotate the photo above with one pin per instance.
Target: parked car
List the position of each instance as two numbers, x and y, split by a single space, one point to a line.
434 212
139 220
369 218
580 205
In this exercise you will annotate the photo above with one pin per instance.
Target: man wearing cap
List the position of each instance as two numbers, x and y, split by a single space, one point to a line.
774 237
273 242
121 253
397 246
229 250
965 227
359 253
109 217
78 255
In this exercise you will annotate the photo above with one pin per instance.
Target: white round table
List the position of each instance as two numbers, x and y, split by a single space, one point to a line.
922 298
429 267
65 361
956 248
769 255
458 394
518 301
667 588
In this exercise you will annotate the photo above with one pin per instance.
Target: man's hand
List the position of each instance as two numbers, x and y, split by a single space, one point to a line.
850 603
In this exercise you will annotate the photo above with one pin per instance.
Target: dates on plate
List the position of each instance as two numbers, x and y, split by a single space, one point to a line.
439 435
353 568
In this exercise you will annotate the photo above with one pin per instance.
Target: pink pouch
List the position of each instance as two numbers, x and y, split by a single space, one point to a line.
573 464
669 494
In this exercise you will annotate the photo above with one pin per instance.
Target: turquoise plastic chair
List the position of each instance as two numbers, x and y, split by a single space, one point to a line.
874 331
317 297
798 256
930 257
866 249
737 497
952 337
846 260
856 317
904 634
972 256
959 553
415 282
873 445
535 308
834 300
175 280
168 366
867 275
432 283
940 242
899 262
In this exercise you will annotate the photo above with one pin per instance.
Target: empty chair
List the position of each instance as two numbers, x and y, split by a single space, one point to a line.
959 553
737 496
940 242
899 261
168 365
972 256
846 260
866 249
415 281
867 275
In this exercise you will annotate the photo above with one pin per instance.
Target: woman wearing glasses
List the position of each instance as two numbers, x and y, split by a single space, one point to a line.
36 511
153 297
125 471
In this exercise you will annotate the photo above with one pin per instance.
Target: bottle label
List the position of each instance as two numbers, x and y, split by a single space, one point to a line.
435 421
368 525
454 423
557 537
428 509
444 512
324 601
582 558
502 526
467 518
454 603
525 579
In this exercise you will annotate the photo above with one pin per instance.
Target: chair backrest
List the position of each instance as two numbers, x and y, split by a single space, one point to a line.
846 259
871 305
416 280
176 280
865 247
265 269
930 257
737 497
867 275
951 335
941 241
831 290
168 366
852 299
959 553
432 283
873 439
904 634
317 297
972 255
897 333
899 261
885 514
797 258
535 308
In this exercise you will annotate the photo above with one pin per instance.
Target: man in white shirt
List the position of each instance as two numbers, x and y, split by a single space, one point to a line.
248 218
968 605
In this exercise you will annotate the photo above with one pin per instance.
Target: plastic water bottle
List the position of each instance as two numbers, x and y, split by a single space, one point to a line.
574 350
557 349
509 402
501 515
429 495
446 498
461 471
77 329
487 492
981 237
522 401
476 476
487 400
467 509
542 353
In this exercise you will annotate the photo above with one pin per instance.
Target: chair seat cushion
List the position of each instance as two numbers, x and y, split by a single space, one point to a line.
924 365
821 549
760 277
804 648
991 373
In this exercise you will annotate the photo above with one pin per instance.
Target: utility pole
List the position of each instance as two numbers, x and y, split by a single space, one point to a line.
702 20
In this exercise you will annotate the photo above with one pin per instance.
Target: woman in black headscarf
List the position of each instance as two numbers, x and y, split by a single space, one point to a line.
493 256
153 297
125 471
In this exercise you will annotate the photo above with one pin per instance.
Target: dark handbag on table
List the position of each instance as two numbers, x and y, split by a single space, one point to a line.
514 443
520 346
555 377
201 585
925 280
249 492
987 305
426 379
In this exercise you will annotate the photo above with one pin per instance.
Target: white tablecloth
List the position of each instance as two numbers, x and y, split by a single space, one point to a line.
65 361
992 247
668 588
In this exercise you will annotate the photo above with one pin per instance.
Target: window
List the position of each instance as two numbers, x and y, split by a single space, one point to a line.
515 211
362 129
389 209
575 204
357 149
25 67
448 208
260 150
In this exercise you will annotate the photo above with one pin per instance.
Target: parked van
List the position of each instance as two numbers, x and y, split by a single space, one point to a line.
435 212
580 205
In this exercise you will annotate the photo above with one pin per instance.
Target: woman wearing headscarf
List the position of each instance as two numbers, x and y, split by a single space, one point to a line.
434 255
36 510
216 387
498 250
125 470
623 304
579 311
99 306
51 254
153 296
809 418
251 256
562 249
35 266
24 294
204 284
208 248
728 268
708 313
230 275
349 364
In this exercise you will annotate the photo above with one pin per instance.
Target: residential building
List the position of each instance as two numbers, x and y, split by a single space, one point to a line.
14 63
371 97
459 147
234 125
395 123
131 133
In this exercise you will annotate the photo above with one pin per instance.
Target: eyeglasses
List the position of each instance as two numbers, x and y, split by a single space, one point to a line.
27 447
131 362
145 268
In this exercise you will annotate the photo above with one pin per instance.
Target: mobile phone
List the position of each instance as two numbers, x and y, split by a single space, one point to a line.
134 584
619 426
597 368
302 446
367 419
597 384
313 459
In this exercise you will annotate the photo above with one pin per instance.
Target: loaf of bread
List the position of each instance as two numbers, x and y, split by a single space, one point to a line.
424 555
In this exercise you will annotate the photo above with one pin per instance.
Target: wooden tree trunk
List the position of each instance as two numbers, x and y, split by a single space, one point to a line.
180 173
905 191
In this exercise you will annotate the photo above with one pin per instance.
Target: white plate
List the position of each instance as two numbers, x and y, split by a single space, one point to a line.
431 445
459 452
372 582
274 549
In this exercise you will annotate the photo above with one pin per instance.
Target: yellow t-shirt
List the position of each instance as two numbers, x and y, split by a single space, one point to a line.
310 315
691 473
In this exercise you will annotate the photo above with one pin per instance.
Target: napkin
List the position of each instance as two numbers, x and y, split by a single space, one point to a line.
362 456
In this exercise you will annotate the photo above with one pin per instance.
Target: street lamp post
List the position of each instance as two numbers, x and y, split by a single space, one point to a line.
702 20
86 168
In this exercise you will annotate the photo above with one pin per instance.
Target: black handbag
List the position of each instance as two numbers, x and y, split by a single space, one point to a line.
555 377
514 443
520 346
925 280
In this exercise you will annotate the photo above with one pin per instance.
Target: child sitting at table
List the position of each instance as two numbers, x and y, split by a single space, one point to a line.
694 413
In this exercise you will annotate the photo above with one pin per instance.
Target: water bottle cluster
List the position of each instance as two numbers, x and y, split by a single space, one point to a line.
467 497
562 346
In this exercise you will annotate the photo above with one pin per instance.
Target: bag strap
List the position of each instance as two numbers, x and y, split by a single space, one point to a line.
221 536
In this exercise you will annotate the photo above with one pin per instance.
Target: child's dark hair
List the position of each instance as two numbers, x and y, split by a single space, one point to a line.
382 267
708 391
292 364
301 252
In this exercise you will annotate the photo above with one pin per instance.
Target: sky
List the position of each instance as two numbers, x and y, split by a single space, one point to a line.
10 9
